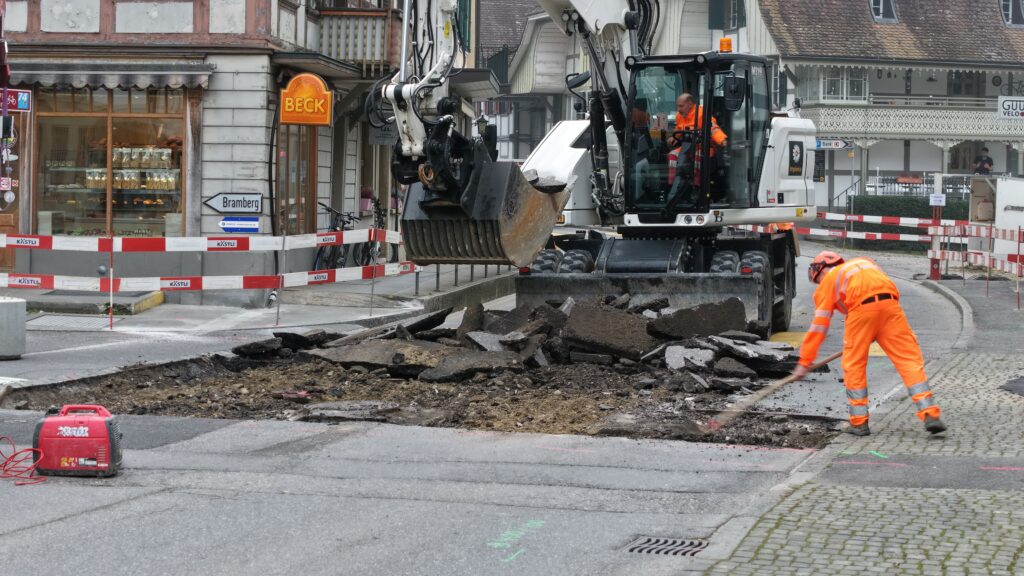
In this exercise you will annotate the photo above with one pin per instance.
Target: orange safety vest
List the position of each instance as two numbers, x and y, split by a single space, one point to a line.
843 288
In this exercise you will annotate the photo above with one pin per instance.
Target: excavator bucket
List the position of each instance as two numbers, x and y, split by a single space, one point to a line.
501 219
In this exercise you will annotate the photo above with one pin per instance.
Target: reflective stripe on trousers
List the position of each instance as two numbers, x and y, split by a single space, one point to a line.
885 323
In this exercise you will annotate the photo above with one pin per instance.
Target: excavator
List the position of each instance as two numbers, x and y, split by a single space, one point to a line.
704 199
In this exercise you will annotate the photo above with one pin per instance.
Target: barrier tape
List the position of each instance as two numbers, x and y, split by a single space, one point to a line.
978 259
846 234
198 243
977 231
892 220
193 283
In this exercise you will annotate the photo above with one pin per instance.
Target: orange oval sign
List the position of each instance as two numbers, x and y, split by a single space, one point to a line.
306 100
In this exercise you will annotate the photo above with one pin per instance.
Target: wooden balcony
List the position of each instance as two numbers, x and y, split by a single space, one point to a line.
370 38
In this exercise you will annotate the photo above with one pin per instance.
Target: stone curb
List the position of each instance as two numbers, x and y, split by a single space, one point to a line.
966 313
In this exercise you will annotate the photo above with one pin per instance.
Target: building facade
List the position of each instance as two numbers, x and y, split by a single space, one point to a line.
907 89
144 112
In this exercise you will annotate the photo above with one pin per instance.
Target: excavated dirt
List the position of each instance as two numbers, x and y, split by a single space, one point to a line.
624 399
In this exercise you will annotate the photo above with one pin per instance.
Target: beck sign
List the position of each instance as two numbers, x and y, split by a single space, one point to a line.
1011 107
306 100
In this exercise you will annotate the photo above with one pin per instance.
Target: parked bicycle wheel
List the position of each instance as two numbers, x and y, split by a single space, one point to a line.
366 253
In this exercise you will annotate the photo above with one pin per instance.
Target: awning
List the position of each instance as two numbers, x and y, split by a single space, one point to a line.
112 74
326 67
474 83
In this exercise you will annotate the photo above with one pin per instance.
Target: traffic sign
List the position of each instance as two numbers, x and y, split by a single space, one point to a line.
833 144
237 203
19 100
240 224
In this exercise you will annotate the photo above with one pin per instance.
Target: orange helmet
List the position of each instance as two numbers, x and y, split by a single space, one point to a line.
826 259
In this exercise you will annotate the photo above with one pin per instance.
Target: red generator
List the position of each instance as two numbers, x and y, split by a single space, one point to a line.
79 440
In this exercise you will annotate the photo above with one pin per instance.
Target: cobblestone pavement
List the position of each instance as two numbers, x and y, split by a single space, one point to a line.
871 511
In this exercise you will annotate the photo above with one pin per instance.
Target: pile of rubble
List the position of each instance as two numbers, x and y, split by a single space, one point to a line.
712 346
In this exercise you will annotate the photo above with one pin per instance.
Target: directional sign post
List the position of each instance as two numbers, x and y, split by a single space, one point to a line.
237 203
240 224
833 144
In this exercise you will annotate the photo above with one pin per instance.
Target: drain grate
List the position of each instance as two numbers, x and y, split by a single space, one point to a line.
69 322
666 546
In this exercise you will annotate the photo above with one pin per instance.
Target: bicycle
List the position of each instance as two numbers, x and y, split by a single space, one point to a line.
334 256
365 254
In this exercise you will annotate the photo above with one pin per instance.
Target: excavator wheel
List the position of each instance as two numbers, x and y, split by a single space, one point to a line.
576 262
725 261
758 263
546 262
782 312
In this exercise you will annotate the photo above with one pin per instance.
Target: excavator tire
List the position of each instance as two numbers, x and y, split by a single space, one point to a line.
725 261
782 312
576 262
760 264
546 262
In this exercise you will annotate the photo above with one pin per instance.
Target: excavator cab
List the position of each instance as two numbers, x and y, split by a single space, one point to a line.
698 135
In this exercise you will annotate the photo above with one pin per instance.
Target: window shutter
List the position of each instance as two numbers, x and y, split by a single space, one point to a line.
741 16
783 88
465 7
716 14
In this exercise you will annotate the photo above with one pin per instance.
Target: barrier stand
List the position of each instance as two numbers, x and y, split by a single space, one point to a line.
280 284
963 254
417 293
456 275
110 273
472 272
1018 262
437 277
373 284
988 260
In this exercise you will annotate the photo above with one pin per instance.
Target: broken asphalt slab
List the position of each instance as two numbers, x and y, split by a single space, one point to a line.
605 330
703 320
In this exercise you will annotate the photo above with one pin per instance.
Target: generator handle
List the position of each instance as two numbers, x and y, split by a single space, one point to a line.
67 408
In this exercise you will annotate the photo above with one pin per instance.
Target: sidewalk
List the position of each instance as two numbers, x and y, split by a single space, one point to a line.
903 502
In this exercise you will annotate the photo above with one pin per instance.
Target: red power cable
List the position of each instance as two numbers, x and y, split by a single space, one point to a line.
15 466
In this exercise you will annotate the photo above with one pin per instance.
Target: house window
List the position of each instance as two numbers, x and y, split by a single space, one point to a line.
966 84
736 14
1013 12
844 84
883 10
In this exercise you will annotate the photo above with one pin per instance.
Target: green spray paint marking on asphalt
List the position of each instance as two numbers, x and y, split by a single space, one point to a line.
513 557
879 454
510 537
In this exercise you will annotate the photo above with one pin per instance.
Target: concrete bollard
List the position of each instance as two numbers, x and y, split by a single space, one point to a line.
12 328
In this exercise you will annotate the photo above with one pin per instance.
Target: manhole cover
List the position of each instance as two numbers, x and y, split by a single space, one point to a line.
70 322
1016 386
666 546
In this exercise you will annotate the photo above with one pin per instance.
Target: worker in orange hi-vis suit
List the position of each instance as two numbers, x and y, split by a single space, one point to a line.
870 300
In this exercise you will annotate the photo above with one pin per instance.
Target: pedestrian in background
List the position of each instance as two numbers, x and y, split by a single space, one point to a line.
983 162
870 300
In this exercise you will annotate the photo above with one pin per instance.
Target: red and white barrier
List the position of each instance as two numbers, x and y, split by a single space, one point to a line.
194 283
846 234
891 220
197 243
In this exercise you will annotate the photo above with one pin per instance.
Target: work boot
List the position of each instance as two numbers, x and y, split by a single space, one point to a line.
934 425
862 430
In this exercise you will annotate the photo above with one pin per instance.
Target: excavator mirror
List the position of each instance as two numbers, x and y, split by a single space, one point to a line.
735 91
577 80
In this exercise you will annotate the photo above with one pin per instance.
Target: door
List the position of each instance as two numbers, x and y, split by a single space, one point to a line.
9 212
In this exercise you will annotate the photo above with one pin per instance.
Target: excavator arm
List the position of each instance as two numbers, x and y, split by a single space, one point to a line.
463 207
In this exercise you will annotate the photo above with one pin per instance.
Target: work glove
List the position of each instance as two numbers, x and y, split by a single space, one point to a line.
800 372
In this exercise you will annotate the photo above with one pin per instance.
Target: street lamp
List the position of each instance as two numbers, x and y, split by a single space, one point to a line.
481 125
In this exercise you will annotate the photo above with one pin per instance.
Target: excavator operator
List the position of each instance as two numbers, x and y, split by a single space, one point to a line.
871 302
689 116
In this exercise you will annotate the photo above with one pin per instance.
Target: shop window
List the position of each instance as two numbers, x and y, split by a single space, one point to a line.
296 181
105 170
